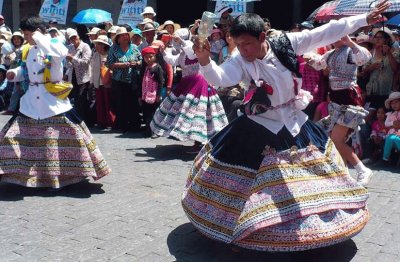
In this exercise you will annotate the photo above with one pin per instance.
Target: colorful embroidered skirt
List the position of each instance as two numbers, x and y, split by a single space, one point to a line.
53 152
252 188
193 111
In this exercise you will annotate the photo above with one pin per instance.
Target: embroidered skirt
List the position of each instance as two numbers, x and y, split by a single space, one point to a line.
193 111
252 188
52 152
346 115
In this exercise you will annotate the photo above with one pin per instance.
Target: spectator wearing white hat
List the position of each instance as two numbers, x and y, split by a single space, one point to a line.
148 12
112 31
83 97
3 26
101 81
169 26
93 33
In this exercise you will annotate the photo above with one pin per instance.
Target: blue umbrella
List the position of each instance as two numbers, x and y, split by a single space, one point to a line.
92 16
395 20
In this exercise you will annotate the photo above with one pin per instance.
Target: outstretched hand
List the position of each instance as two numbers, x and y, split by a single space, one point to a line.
375 15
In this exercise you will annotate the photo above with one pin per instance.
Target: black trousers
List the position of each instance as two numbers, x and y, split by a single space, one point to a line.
148 112
125 105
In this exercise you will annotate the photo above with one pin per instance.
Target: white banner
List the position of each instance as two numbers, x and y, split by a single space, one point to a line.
1 6
54 9
130 12
238 7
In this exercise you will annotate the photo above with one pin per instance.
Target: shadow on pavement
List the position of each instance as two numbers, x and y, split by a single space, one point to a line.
165 153
84 189
187 244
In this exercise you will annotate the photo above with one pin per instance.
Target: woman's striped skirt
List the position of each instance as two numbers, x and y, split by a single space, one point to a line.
273 192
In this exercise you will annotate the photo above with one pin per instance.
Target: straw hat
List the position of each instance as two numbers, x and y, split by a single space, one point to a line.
102 39
94 31
392 96
121 31
113 29
169 22
145 21
148 27
148 10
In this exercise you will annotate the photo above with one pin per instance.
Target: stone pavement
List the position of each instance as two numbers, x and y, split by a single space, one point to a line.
135 214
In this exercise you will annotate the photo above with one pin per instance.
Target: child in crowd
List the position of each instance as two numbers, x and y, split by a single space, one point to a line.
152 75
217 43
378 134
393 124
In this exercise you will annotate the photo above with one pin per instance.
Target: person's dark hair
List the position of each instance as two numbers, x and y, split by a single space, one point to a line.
32 24
247 23
105 47
295 26
386 37
128 27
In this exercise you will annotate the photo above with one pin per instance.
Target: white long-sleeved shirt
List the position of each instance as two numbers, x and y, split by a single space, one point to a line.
279 77
37 103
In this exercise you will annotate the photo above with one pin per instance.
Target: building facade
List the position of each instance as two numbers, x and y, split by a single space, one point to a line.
282 14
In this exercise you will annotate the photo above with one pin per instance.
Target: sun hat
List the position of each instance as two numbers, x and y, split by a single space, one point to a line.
146 21
102 39
169 22
223 10
113 29
71 32
94 31
395 32
215 31
386 30
183 33
5 34
121 31
392 96
148 50
18 33
137 31
148 27
362 38
52 29
148 10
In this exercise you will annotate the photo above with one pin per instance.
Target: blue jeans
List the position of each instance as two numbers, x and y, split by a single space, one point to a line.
391 141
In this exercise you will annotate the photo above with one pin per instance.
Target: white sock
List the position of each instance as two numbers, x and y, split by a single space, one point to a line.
360 167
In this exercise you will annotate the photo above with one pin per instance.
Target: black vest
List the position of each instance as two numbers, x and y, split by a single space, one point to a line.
283 50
